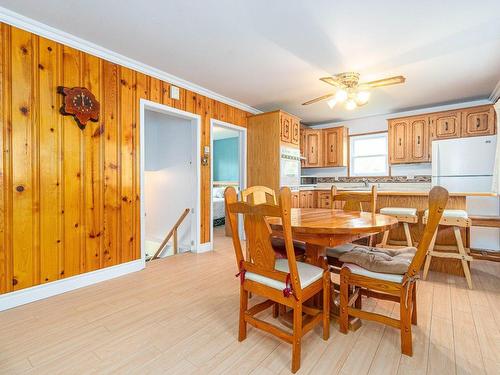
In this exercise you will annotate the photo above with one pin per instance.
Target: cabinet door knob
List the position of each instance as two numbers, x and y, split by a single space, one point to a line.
478 122
331 148
446 126
400 141
418 140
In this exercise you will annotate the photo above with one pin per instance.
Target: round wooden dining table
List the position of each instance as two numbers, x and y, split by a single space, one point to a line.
321 228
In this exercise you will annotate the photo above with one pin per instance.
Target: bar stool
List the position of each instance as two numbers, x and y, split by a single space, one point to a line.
456 219
405 216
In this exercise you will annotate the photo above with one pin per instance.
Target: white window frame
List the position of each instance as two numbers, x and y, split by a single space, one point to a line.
353 138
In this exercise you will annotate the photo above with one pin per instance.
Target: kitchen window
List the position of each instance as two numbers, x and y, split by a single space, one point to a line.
369 155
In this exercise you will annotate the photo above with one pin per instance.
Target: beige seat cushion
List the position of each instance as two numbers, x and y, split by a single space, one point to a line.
357 270
336 252
307 274
402 211
458 214
379 260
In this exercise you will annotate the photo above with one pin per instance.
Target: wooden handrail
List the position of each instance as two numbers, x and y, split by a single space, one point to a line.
173 232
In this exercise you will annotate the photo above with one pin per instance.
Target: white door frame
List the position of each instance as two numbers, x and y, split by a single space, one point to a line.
243 167
196 122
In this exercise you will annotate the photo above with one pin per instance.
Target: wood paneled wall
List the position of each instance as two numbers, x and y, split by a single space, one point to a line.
69 199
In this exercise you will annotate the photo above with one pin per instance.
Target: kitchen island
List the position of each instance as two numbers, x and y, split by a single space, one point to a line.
319 197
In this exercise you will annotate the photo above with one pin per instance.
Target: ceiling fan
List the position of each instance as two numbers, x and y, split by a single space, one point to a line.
351 91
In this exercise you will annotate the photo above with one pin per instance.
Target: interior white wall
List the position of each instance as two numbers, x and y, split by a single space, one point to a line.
170 176
379 123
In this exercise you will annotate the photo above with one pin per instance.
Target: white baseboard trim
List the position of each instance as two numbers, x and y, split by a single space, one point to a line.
205 247
18 20
38 292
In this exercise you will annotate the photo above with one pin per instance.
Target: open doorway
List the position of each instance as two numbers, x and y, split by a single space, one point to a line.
228 169
170 180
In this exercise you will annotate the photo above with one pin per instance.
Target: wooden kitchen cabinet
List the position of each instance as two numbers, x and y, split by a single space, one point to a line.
325 147
302 146
295 200
307 199
478 121
295 133
409 140
286 128
398 140
313 148
418 140
324 199
335 147
446 125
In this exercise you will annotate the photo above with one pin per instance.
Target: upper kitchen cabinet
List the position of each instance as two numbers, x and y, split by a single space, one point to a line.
313 151
409 140
446 124
335 147
398 140
290 128
324 147
418 140
478 121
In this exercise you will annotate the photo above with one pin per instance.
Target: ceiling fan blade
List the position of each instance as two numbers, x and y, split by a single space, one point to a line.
384 82
318 99
334 81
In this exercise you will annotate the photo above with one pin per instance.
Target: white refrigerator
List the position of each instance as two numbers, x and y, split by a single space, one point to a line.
466 165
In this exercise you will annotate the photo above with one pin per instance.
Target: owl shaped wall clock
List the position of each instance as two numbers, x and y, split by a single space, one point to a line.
80 103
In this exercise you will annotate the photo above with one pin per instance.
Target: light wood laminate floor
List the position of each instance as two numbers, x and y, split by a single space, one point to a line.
179 317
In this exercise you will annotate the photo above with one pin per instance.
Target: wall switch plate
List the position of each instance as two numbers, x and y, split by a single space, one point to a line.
174 92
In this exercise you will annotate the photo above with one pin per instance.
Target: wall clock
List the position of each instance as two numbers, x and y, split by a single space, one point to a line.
80 103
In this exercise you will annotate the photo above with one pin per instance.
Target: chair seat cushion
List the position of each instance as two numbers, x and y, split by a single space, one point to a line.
357 270
278 244
402 211
308 274
389 261
459 214
336 252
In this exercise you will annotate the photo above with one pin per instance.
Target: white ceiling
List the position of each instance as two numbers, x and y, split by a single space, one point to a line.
270 54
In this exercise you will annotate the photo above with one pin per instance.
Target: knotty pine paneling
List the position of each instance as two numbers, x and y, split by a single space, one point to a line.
70 199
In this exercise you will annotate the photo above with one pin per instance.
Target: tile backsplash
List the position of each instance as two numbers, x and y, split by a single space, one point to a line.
387 179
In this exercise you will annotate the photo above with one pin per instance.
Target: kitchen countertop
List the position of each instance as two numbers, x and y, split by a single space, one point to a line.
403 192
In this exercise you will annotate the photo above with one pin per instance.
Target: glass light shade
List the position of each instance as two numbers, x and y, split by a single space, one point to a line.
341 95
331 103
362 97
350 104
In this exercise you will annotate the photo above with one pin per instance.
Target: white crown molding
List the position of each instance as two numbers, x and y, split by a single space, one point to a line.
38 292
495 94
18 20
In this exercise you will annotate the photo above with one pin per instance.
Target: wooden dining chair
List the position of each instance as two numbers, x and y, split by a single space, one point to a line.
262 194
353 202
354 199
280 281
399 288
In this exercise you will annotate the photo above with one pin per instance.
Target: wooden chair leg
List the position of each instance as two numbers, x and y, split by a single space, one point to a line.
408 234
385 238
414 305
344 304
358 302
464 255
275 310
242 335
297 337
405 319
326 306
429 256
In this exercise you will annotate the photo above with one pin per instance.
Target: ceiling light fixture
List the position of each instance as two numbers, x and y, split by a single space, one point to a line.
350 91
